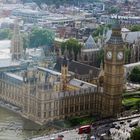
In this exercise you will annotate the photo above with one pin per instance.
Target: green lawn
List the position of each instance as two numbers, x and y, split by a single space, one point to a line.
130 101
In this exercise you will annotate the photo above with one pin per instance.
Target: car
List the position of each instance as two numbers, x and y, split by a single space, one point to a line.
134 123
93 138
52 138
128 120
115 123
121 122
117 127
112 125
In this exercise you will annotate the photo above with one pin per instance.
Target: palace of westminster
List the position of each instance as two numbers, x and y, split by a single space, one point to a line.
45 95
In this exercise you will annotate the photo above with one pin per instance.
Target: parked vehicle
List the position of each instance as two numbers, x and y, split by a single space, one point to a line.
128 121
134 123
121 122
52 138
117 127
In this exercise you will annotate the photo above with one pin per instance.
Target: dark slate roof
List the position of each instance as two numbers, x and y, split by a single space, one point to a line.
13 78
90 43
78 68
115 40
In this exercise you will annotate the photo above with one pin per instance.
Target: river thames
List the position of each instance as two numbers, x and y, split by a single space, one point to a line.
14 127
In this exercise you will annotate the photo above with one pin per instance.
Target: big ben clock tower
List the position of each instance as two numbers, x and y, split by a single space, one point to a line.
113 73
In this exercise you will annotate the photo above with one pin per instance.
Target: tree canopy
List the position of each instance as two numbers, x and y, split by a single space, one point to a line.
100 57
72 46
40 37
135 75
127 55
113 10
134 28
60 2
135 135
25 41
101 29
5 34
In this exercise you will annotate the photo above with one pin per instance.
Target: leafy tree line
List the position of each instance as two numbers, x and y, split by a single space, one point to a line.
72 46
61 2
135 135
101 29
135 75
39 37
113 10
134 28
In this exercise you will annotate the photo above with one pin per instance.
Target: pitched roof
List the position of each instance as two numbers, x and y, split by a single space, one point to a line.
90 43
83 69
78 68
81 84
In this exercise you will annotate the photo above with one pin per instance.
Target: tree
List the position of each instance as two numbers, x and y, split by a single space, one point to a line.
135 75
127 55
134 28
5 34
100 57
25 41
72 46
113 10
138 105
126 2
135 135
99 30
61 2
41 37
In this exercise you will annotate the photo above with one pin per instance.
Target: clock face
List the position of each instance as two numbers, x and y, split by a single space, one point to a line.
109 55
120 55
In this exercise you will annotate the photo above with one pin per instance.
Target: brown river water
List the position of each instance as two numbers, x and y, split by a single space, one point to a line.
14 127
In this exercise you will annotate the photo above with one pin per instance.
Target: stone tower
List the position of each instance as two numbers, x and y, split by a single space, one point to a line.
113 73
16 43
64 72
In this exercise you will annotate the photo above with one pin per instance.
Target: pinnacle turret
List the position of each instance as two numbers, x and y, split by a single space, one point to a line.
16 43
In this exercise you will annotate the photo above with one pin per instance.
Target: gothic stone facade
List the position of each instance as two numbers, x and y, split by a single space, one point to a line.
43 98
43 102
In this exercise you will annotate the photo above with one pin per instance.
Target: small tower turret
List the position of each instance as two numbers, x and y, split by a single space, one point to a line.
16 43
64 72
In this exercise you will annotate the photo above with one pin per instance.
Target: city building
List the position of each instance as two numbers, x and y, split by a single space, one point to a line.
79 70
124 20
113 73
45 95
89 52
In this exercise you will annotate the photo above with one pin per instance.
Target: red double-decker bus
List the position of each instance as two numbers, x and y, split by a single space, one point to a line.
86 129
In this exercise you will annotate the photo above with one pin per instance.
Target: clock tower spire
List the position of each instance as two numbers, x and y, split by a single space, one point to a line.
113 73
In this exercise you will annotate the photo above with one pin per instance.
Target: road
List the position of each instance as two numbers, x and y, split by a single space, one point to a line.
68 135
117 134
119 129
